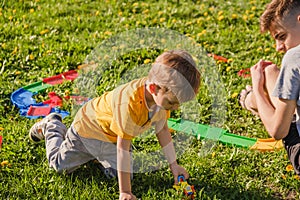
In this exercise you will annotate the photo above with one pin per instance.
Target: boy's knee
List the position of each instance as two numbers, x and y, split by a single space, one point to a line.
61 170
271 70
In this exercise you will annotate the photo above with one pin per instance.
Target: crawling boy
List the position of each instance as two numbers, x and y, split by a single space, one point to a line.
104 127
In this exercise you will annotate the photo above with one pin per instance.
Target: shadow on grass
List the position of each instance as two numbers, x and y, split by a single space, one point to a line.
160 183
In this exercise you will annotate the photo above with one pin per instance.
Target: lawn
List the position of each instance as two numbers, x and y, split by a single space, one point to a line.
42 38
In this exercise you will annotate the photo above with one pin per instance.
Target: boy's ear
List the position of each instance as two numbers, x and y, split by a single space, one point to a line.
153 88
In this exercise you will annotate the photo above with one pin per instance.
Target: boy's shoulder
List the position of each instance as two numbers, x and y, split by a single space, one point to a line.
133 84
292 54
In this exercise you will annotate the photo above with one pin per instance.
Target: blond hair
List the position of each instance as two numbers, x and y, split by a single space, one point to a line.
176 70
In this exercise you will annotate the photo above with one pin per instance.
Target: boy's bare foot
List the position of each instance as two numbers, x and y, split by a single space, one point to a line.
246 100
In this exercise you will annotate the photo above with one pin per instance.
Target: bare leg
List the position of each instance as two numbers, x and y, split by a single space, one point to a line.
247 98
271 75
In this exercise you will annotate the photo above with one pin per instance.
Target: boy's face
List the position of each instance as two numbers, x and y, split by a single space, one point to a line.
287 37
166 100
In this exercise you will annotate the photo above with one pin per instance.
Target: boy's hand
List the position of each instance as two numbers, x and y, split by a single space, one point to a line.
257 73
178 170
127 196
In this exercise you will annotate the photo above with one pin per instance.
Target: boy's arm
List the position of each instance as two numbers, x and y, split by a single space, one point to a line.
277 118
123 165
165 141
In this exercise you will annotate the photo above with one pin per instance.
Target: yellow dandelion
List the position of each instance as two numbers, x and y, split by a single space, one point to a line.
142 41
106 57
0 13
234 95
259 49
251 16
67 92
44 31
220 13
213 154
1 129
26 26
160 12
296 177
120 13
211 9
146 11
15 50
162 19
221 17
229 60
144 4
31 10
154 20
199 20
4 163
289 168
49 51
234 16
174 21
189 23
245 17
208 18
163 40
78 19
14 11
31 57
17 73
283 176
203 32
146 61
97 13
126 25
135 4
107 33
228 69
253 8
10 18
56 21
267 50
3 45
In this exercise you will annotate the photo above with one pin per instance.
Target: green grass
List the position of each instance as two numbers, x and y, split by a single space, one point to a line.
43 38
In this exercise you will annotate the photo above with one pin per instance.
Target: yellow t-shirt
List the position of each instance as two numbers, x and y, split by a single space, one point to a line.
121 112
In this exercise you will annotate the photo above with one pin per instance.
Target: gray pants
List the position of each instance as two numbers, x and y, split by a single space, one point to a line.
66 150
